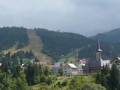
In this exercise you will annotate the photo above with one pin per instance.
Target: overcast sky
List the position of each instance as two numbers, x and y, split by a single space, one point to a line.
86 17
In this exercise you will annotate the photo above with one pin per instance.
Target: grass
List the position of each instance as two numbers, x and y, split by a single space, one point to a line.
59 79
35 44
71 57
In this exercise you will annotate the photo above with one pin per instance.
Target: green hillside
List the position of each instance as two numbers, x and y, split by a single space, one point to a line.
110 37
11 36
35 45
57 44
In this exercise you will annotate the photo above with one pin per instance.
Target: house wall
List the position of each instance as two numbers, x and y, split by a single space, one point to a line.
55 69
80 67
117 62
70 71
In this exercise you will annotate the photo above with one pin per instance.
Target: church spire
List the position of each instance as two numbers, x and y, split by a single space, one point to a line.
98 46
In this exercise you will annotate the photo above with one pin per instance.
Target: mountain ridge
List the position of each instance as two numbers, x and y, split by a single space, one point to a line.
109 37
54 44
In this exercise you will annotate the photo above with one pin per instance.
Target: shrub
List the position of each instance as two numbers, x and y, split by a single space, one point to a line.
64 83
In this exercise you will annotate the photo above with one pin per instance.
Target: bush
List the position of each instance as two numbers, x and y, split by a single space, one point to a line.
48 81
64 83
59 84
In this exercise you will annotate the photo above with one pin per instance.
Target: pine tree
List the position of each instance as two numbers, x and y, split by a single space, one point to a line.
104 81
60 71
46 71
21 61
98 78
30 74
106 70
114 77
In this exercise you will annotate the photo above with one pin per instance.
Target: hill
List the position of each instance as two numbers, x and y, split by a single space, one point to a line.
110 37
57 44
35 45
54 45
11 36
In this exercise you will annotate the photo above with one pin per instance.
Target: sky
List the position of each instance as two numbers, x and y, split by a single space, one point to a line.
86 17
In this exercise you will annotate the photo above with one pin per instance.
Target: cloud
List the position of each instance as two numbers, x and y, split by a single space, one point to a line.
87 17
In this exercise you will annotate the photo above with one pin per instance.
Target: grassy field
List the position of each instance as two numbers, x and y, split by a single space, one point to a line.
35 44
71 57
51 87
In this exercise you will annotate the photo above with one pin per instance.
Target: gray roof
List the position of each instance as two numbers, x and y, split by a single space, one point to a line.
93 63
57 64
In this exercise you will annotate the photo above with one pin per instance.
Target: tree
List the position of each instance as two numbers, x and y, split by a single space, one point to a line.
92 86
104 81
48 80
98 78
30 74
5 82
114 77
36 60
46 71
21 61
16 71
106 70
77 82
21 83
60 71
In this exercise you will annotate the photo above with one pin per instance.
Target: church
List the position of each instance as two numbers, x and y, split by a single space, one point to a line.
94 66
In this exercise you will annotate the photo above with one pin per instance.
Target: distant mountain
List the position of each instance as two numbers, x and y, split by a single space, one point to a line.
55 44
112 36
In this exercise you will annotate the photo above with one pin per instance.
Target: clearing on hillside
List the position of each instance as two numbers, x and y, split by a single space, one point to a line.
35 44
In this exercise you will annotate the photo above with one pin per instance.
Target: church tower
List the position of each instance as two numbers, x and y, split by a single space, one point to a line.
98 51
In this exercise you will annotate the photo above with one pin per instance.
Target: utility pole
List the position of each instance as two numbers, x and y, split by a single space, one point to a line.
77 57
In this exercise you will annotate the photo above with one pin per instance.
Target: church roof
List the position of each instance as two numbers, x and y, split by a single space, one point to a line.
98 46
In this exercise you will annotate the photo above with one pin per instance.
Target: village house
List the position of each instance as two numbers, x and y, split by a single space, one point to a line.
95 65
24 66
117 62
57 66
70 69
81 64
40 63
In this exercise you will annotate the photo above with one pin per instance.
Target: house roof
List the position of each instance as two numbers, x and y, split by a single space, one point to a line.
57 64
118 58
83 61
40 63
72 65
94 63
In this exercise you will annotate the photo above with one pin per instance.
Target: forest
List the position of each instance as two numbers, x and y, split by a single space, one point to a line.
57 44
35 77
10 36
110 37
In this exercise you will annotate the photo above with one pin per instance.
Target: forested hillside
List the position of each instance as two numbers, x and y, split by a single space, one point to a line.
57 43
112 36
10 36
